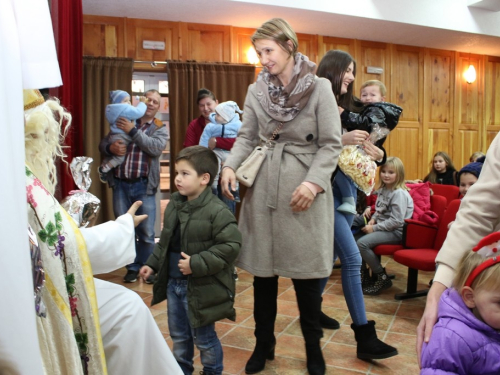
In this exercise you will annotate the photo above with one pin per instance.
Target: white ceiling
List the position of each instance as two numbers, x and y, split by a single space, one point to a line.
443 24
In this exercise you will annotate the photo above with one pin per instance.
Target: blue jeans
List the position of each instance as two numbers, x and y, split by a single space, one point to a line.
184 337
124 194
229 203
347 250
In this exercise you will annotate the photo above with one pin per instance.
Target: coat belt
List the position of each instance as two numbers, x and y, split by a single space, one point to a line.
275 164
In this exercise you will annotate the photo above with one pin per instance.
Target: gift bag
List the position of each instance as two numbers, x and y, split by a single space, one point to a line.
357 165
82 206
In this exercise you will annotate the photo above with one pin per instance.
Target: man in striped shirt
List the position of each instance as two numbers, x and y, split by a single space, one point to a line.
138 177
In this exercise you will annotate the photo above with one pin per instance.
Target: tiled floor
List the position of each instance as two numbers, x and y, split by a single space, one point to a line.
396 325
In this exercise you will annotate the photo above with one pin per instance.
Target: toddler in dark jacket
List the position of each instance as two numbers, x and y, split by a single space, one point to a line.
195 259
375 111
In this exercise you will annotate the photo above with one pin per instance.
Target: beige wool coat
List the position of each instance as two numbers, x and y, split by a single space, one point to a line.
277 241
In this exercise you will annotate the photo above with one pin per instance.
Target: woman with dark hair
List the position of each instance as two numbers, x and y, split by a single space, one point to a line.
340 69
286 217
207 102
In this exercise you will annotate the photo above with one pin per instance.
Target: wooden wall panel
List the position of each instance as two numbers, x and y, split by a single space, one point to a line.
440 84
241 44
403 143
407 72
468 110
308 45
164 31
406 77
492 91
103 36
209 43
327 43
371 54
467 144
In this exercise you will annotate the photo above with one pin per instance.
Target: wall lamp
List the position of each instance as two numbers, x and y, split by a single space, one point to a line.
470 74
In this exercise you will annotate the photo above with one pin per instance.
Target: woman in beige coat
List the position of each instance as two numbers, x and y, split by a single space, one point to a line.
287 215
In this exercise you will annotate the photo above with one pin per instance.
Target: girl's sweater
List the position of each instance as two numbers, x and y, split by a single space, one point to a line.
391 210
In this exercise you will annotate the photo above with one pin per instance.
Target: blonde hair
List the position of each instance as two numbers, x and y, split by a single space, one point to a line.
489 279
375 82
44 140
279 31
398 166
476 155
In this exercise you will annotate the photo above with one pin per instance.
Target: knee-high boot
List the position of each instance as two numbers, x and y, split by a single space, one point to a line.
265 309
309 301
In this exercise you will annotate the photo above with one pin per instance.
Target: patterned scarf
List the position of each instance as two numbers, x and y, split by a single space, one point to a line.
284 103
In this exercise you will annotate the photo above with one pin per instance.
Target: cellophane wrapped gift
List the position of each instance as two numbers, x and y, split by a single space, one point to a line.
357 165
82 206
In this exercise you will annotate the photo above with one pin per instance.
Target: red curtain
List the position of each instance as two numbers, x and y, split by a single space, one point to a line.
67 21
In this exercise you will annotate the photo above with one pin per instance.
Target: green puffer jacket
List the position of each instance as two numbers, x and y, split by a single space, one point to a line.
210 236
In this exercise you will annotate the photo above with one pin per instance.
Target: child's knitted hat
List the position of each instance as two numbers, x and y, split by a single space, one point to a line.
117 96
227 110
472 168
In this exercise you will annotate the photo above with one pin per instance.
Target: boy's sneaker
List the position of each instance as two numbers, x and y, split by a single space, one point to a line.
131 276
103 176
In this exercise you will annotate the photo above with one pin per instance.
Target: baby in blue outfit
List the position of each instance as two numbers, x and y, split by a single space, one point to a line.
225 123
120 107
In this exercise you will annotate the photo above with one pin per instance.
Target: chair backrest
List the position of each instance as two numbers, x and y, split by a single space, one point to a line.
450 192
448 217
438 205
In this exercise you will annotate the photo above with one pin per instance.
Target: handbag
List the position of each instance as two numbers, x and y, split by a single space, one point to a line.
249 169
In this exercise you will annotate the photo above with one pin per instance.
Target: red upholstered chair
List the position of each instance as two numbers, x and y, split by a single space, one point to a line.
438 205
422 244
450 192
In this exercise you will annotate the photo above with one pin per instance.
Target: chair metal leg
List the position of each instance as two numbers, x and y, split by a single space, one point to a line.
411 287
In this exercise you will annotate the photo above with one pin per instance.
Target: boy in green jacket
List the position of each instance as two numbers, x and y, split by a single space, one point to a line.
194 259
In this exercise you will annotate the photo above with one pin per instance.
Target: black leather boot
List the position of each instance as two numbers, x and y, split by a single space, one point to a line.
315 361
369 346
326 322
257 362
264 312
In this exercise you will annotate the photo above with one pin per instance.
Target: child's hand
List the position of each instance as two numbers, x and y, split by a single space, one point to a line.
184 265
137 218
368 212
145 272
143 99
371 222
367 229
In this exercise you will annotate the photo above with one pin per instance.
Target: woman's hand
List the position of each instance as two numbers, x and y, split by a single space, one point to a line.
429 318
137 218
354 138
302 199
228 179
373 151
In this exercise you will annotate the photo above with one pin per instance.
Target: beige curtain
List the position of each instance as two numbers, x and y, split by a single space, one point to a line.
100 76
226 81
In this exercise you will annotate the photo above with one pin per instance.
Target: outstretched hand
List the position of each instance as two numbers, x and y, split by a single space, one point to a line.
137 218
